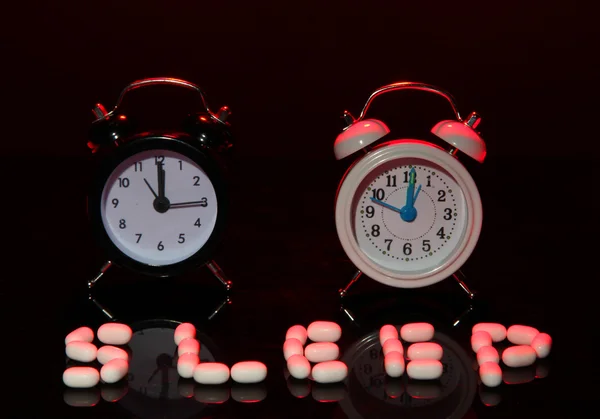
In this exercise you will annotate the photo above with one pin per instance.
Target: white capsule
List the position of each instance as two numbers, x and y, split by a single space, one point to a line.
114 333
394 364
321 351
487 354
417 332
297 332
425 350
211 373
480 339
248 372
322 331
424 369
542 343
496 330
114 370
387 332
81 377
298 366
82 334
107 353
188 346
329 372
490 374
521 335
292 346
186 364
184 331
81 351
392 345
519 356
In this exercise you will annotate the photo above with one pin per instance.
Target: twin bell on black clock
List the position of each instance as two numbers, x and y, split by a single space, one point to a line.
158 199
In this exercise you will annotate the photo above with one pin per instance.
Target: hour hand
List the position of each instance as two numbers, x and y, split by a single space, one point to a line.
388 206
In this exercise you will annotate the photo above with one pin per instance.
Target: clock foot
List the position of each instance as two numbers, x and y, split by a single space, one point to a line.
350 315
223 304
459 277
355 278
100 273
103 309
218 273
460 318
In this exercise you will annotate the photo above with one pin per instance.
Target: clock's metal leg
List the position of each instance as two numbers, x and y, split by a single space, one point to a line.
350 315
104 310
460 318
459 277
223 304
218 273
355 278
102 271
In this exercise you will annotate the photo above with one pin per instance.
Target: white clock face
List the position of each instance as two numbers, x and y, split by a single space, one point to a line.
409 215
155 224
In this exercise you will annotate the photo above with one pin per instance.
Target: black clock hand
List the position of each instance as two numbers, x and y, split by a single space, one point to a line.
151 190
202 203
161 181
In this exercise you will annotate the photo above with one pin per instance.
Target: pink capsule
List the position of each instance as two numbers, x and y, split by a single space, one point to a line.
490 374
114 370
480 339
496 330
542 343
82 334
292 346
114 333
211 373
297 332
81 351
425 350
81 377
186 364
487 354
394 364
392 345
387 332
424 369
329 372
521 335
321 351
298 366
108 352
417 332
188 346
184 331
519 356
322 331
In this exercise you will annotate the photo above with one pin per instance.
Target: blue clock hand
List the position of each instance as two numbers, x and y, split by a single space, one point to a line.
409 213
385 204
416 194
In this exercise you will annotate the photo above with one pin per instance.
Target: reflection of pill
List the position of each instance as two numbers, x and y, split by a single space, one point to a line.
394 364
518 375
81 377
184 331
248 372
292 346
322 331
496 330
321 351
425 350
426 390
114 370
188 346
521 335
249 393
81 334
108 352
541 344
81 351
542 369
81 397
417 332
299 388
480 339
211 373
211 394
328 393
487 354
519 356
387 332
186 365
297 332
489 397
490 374
114 333
185 387
425 369
298 366
392 345
394 387
329 372
114 392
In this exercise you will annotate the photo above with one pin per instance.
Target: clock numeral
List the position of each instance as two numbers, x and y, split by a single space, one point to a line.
139 237
123 182
407 177
444 368
375 230
370 211
197 223
181 238
428 180
196 180
203 202
440 233
160 246
378 194
389 243
159 159
391 180
376 382
115 202
137 165
426 246
368 368
442 195
407 249
447 213
374 354
122 223
180 165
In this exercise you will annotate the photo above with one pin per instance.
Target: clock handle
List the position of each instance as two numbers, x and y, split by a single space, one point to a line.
407 85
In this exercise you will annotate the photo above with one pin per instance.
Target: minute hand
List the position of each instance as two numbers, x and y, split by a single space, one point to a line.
202 203
385 204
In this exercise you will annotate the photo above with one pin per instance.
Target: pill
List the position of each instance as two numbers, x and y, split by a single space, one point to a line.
541 344
519 356
249 393
298 388
417 332
114 370
328 393
425 350
490 374
394 364
521 335
424 390
388 331
394 387
496 330
487 354
321 351
211 394
186 365
81 351
82 334
489 398
211 373
424 369
185 387
292 346
480 339
248 372
81 377
298 366
81 397
392 345
107 353
114 333
188 346
297 332
184 331
114 392
329 372
518 375
322 331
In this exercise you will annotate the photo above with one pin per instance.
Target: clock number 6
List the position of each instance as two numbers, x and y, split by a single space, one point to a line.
407 249
160 246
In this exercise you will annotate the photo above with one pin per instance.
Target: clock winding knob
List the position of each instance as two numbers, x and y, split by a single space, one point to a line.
99 111
223 113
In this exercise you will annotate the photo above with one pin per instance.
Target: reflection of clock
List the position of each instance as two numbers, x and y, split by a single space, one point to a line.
367 384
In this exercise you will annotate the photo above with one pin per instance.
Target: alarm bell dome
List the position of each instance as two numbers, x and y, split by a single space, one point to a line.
462 136
358 136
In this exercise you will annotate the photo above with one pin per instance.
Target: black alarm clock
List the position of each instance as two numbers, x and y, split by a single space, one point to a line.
158 199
